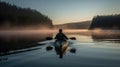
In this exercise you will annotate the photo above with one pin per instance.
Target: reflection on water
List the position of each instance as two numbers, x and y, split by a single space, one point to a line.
81 38
13 40
90 52
106 35
61 47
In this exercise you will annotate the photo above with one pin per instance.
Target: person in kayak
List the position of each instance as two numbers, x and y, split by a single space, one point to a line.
61 36
61 41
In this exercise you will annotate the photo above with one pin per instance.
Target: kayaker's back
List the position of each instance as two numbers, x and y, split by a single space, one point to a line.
61 36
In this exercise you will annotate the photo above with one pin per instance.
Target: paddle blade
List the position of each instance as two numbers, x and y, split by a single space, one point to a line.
49 38
73 38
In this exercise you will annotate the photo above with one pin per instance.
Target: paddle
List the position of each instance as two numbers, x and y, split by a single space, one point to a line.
50 38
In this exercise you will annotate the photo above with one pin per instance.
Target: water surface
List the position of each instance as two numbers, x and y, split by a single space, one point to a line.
89 53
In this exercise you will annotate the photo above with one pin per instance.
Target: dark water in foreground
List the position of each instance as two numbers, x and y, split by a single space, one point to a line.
89 53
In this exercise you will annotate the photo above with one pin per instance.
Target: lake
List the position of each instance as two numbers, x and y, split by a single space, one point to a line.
90 52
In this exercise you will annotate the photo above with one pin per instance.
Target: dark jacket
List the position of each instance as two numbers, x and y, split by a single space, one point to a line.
61 36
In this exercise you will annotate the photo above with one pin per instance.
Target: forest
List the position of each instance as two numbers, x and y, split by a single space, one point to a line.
111 22
13 16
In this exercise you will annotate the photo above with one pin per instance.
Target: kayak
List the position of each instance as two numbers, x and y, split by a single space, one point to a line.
61 47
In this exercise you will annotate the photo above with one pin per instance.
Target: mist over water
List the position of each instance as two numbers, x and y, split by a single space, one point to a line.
37 33
8 36
92 49
19 39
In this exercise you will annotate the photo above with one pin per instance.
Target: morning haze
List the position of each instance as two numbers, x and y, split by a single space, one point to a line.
59 33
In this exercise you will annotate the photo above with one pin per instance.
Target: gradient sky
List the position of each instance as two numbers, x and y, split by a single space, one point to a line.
65 11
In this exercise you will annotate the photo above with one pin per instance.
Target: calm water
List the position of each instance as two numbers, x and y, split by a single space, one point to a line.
89 53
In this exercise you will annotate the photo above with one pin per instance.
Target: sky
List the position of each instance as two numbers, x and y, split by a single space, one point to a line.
67 11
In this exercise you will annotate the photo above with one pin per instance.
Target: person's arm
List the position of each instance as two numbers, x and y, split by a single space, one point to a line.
56 36
65 36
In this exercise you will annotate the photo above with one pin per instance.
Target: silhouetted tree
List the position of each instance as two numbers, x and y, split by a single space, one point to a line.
17 16
106 22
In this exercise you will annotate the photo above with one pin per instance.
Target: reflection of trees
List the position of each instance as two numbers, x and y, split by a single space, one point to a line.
16 42
108 35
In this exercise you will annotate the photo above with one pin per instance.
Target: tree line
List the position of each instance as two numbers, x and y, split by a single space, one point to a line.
17 16
106 22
